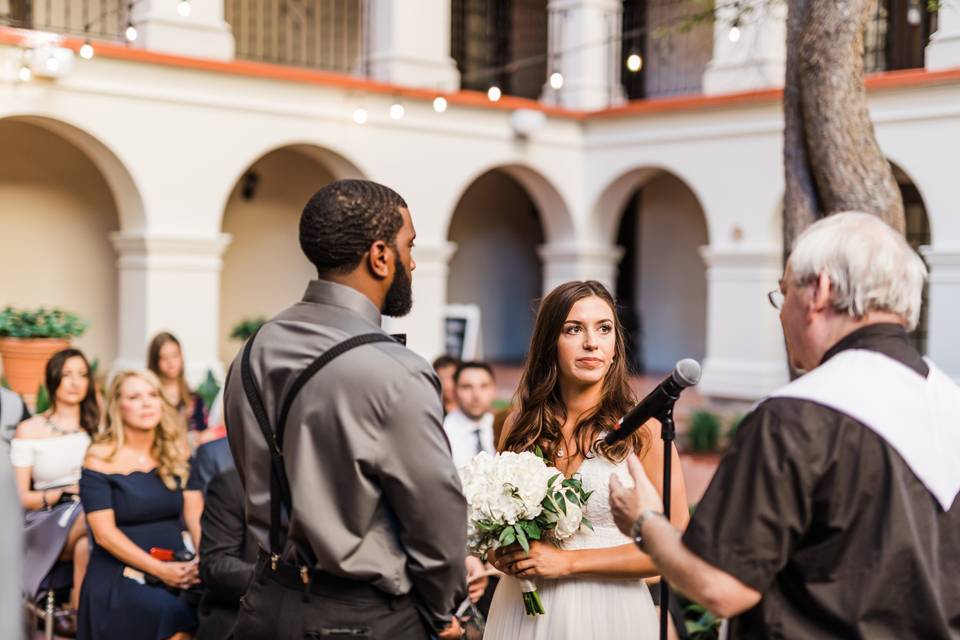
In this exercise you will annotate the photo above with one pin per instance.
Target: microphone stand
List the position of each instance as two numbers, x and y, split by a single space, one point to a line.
668 435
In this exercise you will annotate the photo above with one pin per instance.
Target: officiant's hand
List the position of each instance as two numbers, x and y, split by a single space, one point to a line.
627 504
543 561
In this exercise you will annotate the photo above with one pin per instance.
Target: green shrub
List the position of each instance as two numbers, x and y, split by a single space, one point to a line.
40 323
208 389
704 434
43 399
246 328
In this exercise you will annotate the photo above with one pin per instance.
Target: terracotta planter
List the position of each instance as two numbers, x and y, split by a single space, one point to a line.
24 360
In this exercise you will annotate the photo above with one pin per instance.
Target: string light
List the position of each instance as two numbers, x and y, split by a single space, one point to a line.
397 111
25 74
439 104
556 80
634 62
86 51
734 34
183 8
131 32
360 115
494 93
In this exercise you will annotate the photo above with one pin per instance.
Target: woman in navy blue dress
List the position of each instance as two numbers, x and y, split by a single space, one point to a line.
132 488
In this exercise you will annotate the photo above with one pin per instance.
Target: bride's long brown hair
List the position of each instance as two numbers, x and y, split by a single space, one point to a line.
541 412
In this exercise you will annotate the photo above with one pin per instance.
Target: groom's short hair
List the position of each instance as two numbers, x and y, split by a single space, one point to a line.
342 220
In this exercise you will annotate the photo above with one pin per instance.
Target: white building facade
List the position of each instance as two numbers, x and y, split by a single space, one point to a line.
157 186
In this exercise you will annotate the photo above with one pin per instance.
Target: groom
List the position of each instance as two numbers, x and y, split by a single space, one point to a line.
834 513
374 538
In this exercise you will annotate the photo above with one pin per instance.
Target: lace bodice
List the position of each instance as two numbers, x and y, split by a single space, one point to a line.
595 473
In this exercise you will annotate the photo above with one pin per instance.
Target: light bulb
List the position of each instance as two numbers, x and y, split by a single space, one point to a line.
634 62
131 33
360 116
397 111
25 74
86 51
183 8
734 34
494 93
556 80
439 104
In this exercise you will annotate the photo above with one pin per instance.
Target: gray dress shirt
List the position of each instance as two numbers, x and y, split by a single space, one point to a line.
375 493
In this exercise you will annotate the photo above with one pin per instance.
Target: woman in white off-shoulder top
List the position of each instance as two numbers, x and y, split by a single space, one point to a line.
47 453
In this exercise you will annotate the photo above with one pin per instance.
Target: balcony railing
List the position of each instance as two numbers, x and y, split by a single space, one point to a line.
320 34
897 34
101 19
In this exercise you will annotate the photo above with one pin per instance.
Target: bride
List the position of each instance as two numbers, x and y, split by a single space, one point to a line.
574 387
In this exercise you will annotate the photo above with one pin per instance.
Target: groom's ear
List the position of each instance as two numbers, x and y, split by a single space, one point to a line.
378 259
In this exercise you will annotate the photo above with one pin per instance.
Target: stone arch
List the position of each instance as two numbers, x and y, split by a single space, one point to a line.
659 221
261 214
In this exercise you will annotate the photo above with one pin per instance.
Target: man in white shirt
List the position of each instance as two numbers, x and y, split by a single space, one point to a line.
470 427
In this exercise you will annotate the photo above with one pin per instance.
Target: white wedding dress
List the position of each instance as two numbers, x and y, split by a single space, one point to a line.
581 608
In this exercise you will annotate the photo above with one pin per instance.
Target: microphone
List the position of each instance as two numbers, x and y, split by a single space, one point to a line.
685 374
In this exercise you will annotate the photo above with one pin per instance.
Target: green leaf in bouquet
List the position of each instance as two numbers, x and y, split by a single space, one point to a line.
506 533
573 497
539 452
552 479
548 505
587 495
562 503
568 482
586 523
522 538
531 528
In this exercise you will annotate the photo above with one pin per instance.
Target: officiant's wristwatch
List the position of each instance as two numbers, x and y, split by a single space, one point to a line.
637 528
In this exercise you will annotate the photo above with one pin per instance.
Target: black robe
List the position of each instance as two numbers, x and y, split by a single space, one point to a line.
824 518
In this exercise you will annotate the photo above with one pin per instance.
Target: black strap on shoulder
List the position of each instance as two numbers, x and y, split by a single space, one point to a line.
280 497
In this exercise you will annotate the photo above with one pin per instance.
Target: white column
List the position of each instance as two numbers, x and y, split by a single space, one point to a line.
751 55
170 283
943 340
424 324
566 262
584 48
746 357
408 43
203 33
943 51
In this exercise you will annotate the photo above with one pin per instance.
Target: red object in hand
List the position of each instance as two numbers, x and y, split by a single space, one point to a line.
164 555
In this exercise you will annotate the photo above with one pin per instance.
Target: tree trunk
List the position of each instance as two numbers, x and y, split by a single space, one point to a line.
832 161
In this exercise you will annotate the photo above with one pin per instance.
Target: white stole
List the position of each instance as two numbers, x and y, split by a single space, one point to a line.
919 417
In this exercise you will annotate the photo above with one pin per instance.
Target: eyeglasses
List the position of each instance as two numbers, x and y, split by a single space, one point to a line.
776 299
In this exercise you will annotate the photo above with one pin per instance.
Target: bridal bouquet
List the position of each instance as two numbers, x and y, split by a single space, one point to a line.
514 498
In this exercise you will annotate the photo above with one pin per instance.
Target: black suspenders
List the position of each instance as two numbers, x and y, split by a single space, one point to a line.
280 498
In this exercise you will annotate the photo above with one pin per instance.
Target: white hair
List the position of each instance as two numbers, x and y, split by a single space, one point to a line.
869 264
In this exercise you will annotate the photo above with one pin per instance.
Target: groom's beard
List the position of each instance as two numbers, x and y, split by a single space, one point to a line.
399 298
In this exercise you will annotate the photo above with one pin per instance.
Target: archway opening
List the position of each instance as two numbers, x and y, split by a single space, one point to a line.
918 235
57 212
497 229
661 283
264 270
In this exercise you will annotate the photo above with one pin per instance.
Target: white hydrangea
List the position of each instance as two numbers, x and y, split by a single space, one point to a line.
506 488
567 524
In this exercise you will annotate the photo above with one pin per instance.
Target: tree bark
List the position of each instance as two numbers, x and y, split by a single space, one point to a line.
832 160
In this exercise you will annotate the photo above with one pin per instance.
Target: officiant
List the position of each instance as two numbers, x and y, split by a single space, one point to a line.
834 512
351 492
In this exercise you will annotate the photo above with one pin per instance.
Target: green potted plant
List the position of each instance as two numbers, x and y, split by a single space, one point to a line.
28 337
246 328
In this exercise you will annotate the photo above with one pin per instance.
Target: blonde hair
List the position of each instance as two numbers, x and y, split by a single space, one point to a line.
169 447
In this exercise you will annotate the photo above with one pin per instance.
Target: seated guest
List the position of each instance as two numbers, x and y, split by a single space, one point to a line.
132 491
469 428
165 360
212 459
228 555
446 366
47 452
